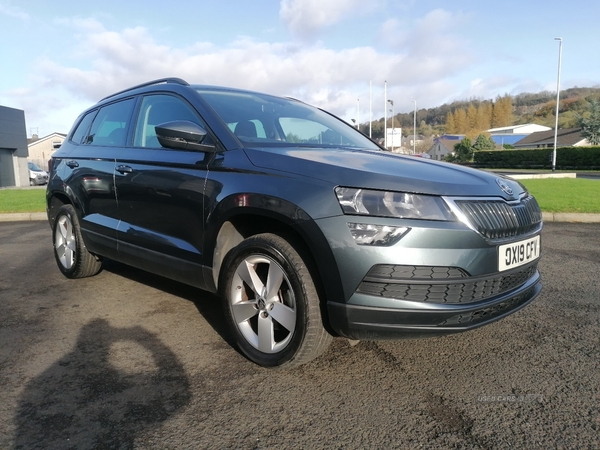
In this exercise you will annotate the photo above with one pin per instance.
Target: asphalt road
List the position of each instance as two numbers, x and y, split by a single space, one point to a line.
128 360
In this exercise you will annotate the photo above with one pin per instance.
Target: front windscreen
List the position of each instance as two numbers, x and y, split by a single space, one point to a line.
258 119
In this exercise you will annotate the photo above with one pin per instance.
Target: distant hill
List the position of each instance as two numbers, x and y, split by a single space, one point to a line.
538 108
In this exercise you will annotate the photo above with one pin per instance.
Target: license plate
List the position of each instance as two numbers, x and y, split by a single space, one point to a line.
518 253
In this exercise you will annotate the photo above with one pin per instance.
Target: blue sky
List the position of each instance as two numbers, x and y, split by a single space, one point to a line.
60 57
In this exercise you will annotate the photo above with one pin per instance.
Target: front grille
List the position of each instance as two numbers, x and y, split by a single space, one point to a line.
497 219
388 281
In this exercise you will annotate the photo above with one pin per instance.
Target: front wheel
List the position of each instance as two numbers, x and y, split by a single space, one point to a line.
271 303
72 256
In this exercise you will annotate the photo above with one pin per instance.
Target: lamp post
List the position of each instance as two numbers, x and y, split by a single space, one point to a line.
557 102
392 103
415 130
358 114
370 109
385 114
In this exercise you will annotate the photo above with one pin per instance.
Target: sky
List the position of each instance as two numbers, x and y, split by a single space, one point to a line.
58 58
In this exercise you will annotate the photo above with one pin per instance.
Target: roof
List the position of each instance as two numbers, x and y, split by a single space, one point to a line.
52 135
526 128
566 137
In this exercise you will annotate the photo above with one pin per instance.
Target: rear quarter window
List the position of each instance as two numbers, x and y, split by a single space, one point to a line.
81 132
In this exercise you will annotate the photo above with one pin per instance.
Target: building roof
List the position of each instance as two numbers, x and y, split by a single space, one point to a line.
566 137
525 128
35 139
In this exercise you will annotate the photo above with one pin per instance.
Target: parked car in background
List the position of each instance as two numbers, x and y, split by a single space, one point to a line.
305 227
37 176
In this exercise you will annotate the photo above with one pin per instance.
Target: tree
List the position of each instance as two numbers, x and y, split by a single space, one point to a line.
460 120
484 116
483 143
464 150
471 118
502 113
590 125
450 125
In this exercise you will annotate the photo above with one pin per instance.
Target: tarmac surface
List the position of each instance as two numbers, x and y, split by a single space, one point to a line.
128 360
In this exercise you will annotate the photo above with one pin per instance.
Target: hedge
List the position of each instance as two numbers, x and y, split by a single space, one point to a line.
567 158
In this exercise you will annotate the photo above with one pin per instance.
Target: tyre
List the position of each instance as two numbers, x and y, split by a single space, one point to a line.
72 257
271 303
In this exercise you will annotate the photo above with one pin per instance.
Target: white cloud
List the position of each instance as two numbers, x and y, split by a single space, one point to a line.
102 61
307 17
13 12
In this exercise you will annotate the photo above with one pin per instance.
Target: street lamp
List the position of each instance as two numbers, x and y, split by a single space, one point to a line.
557 102
385 114
392 103
415 130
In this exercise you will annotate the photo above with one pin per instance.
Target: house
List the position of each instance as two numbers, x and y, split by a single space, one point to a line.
567 137
13 148
444 145
41 149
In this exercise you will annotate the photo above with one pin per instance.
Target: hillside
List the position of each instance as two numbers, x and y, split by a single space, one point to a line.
538 108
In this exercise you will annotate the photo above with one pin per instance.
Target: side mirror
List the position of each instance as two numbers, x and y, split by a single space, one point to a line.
182 135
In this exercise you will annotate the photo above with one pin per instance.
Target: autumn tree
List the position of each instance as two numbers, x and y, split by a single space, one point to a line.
471 118
450 125
484 116
460 120
502 112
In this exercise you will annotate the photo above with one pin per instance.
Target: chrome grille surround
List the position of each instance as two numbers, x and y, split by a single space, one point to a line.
497 219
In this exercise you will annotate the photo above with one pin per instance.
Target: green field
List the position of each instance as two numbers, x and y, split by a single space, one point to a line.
568 195
22 200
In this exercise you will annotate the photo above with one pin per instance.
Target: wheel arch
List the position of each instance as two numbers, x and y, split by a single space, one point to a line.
54 201
238 223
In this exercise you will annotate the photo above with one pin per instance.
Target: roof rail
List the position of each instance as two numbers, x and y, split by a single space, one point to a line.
151 83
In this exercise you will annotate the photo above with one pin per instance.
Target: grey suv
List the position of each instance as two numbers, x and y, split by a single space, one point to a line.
304 226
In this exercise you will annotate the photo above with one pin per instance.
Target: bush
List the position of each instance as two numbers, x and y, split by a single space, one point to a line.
567 158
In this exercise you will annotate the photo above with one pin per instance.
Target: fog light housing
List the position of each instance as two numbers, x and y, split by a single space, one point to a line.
376 235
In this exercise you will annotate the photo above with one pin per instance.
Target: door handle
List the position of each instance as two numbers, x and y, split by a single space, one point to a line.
122 169
72 164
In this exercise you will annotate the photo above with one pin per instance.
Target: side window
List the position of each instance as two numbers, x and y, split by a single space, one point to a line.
81 132
110 125
158 109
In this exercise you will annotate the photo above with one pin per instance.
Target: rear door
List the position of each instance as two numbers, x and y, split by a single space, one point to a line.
89 172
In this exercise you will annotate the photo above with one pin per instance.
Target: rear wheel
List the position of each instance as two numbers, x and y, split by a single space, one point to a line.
72 256
271 303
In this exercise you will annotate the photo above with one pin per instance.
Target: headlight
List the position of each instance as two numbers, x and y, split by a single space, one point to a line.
402 205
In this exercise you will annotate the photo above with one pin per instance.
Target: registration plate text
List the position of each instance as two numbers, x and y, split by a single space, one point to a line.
518 253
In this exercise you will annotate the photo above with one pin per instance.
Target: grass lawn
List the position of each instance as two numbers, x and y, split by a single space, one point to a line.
569 195
22 200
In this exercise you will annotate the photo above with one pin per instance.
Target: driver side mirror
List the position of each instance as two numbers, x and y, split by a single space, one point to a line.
183 135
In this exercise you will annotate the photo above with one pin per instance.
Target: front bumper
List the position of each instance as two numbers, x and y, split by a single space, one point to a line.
38 180
427 319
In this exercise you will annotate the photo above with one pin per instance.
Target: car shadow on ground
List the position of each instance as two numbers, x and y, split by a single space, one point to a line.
97 397
207 304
